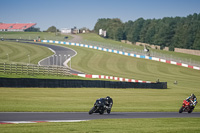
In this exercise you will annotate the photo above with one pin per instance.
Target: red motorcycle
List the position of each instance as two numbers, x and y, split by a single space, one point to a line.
186 107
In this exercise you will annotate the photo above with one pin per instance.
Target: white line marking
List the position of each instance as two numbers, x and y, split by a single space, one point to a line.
39 121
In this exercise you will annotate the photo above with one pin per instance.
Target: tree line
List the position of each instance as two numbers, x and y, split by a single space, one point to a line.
179 32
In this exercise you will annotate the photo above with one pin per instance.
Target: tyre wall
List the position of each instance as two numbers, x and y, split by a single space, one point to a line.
62 83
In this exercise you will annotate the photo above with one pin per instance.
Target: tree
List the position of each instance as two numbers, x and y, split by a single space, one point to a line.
127 29
113 28
32 29
196 44
144 30
134 34
52 29
180 32
150 33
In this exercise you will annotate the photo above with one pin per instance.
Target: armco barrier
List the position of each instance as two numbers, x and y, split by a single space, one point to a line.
122 53
63 83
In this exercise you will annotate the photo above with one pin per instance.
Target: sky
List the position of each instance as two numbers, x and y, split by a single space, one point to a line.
85 13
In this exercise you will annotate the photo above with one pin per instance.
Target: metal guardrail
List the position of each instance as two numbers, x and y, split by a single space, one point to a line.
31 69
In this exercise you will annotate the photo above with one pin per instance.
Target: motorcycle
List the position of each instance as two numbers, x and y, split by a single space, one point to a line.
99 107
186 107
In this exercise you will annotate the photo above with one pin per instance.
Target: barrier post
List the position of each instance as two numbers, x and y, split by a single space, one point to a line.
38 69
22 69
4 67
15 68
27 69
11 68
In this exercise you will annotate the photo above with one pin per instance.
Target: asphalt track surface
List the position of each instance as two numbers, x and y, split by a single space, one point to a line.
45 116
62 55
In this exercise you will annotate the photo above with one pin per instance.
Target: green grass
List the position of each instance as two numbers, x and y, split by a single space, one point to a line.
162 125
82 99
103 63
33 35
18 52
98 62
92 38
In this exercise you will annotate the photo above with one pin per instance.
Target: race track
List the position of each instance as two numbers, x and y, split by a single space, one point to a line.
60 58
45 116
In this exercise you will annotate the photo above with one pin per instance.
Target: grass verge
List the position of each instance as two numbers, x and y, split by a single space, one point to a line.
34 35
82 99
14 52
162 125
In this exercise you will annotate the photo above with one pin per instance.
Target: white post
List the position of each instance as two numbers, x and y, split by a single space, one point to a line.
8 57
29 59
49 61
60 59
64 59
53 59
56 60
70 60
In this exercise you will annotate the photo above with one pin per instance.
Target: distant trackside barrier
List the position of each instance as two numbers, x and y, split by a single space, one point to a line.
110 78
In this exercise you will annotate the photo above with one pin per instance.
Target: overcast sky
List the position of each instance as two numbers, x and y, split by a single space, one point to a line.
85 13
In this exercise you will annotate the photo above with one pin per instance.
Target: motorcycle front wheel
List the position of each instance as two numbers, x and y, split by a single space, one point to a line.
181 109
101 112
108 111
190 111
91 110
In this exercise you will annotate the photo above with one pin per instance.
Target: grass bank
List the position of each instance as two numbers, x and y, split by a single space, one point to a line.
94 39
14 52
34 35
104 63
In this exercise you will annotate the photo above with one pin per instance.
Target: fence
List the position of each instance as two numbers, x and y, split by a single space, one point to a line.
31 69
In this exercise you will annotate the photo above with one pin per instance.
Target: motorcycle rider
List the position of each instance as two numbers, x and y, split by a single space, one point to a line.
101 105
192 98
108 103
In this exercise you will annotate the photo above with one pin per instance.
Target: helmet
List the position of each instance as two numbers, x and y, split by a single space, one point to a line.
192 96
107 97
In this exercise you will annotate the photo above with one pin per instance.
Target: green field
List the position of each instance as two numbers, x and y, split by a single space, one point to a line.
81 99
13 52
94 39
33 35
162 125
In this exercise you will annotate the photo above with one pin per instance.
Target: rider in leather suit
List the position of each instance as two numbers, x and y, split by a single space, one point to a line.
108 103
193 99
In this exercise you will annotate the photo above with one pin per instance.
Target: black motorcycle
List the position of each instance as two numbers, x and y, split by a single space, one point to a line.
99 107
